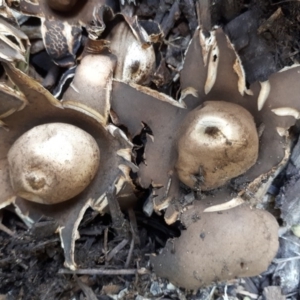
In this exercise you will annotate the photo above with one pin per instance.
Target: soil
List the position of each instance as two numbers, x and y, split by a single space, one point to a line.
266 35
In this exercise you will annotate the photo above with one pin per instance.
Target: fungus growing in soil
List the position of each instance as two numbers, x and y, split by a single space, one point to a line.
32 173
214 70
40 133
240 242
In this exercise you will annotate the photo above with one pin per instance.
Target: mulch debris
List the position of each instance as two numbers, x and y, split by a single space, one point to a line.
266 36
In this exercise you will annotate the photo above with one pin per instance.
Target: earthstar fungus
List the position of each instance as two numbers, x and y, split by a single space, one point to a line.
214 70
273 114
115 150
32 166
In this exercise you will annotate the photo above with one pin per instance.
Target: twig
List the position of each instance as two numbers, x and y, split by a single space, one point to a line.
105 244
115 250
134 226
104 272
283 260
285 1
169 21
48 291
43 245
129 256
88 292
188 9
245 293
269 23
6 230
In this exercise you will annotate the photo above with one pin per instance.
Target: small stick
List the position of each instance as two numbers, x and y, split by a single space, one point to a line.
115 250
89 293
49 290
285 1
188 10
169 21
269 23
127 263
4 228
105 244
134 226
104 272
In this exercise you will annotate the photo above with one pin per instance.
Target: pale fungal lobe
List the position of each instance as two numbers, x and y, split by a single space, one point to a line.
287 111
263 94
212 68
52 163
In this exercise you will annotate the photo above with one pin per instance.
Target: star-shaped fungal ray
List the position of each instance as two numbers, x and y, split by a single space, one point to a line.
92 83
135 105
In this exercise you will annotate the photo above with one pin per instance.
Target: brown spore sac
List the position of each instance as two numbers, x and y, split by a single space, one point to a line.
240 242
